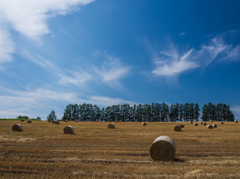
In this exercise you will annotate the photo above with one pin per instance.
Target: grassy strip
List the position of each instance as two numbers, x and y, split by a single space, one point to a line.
15 119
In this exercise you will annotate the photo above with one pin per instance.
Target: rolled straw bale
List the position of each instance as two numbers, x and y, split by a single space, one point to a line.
201 122
222 123
204 123
209 126
66 120
191 122
236 121
177 128
76 120
195 124
68 130
210 120
144 123
49 120
22 120
53 122
163 149
70 119
111 126
29 121
57 122
214 125
182 126
17 127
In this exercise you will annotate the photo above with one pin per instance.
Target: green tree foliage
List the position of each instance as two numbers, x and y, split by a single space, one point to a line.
23 117
52 115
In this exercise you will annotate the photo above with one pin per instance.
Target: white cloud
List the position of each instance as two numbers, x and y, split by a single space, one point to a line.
106 101
236 111
233 54
77 78
6 45
170 63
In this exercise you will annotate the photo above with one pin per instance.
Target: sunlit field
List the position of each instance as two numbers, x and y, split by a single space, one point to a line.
42 150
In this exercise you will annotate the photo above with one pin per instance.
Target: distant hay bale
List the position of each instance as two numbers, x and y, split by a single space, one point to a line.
57 122
144 123
17 127
111 126
191 122
204 123
177 128
76 120
211 121
29 121
209 126
222 123
22 120
201 122
53 122
236 121
66 120
214 125
195 124
68 130
70 119
163 149
49 120
96 120
182 126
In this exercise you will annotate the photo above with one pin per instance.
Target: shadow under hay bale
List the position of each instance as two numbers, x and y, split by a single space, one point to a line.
163 149
111 126
17 127
177 129
209 126
144 123
214 125
222 123
57 122
204 123
68 130
195 124
29 121
182 126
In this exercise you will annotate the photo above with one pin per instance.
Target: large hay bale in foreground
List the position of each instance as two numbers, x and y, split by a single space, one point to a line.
68 130
236 121
29 121
214 125
209 126
204 123
144 123
163 149
222 123
57 122
195 124
177 128
17 127
111 126
22 120
182 126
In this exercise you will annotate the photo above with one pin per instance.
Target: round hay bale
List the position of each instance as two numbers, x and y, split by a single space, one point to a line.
144 123
204 123
70 120
163 149
49 120
111 126
53 122
97 120
195 124
214 125
191 122
76 120
17 127
68 130
29 121
22 120
177 128
201 122
182 126
66 120
210 120
222 123
209 126
236 121
57 122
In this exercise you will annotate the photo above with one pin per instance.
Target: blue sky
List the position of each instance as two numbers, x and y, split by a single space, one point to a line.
104 52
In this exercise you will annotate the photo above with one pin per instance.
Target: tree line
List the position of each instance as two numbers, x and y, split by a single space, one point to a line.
146 113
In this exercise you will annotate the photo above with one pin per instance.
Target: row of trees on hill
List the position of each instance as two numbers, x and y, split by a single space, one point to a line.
141 113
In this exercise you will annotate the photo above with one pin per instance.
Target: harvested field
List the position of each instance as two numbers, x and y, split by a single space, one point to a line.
42 150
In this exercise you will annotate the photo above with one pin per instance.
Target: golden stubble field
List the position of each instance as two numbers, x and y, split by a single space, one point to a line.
42 150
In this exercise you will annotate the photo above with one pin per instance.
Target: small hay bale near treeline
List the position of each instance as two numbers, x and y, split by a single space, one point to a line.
209 126
236 121
49 120
163 149
111 126
144 123
22 120
17 127
53 122
201 122
182 126
214 125
191 122
68 130
211 120
66 120
222 123
29 121
204 123
57 122
195 124
76 120
177 129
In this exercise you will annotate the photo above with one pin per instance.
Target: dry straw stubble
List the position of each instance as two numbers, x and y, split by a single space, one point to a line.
163 149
